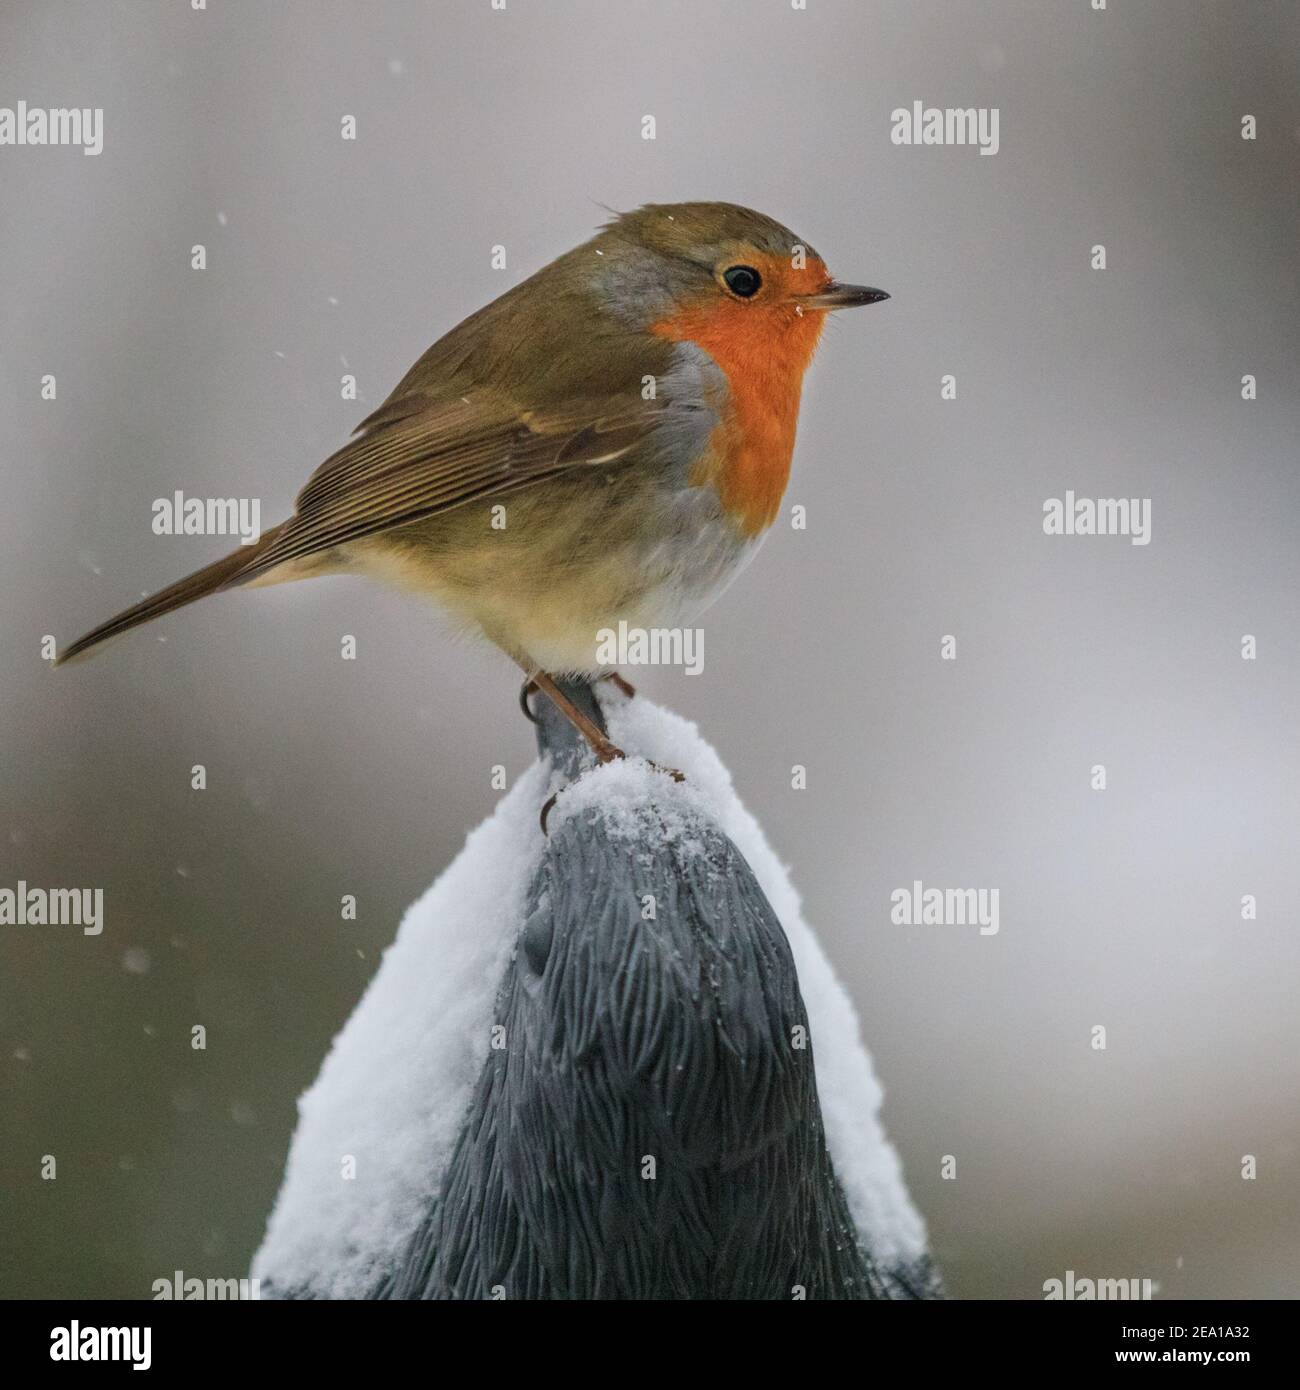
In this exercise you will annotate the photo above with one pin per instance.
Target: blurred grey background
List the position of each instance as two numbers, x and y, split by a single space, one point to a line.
479 127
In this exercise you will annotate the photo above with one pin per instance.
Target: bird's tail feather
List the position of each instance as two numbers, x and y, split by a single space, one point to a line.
226 573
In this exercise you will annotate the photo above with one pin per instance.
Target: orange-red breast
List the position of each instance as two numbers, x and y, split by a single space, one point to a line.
632 408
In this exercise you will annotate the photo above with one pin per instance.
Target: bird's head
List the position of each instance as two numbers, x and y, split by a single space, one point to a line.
737 283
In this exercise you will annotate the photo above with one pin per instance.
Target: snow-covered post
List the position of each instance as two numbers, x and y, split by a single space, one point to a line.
646 1118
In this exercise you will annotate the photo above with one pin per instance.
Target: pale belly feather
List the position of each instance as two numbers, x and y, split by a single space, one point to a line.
543 589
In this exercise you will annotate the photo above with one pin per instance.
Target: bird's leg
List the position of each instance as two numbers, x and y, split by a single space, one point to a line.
605 750
626 687
530 685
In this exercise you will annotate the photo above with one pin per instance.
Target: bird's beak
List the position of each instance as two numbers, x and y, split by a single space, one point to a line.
836 296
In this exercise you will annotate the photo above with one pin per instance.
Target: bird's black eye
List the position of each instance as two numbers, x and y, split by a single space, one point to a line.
743 281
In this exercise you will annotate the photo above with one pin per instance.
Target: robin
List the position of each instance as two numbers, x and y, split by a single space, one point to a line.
609 440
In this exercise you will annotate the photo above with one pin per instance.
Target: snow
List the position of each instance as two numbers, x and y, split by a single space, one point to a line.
395 1086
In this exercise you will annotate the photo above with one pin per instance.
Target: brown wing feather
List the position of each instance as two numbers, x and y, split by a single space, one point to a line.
418 457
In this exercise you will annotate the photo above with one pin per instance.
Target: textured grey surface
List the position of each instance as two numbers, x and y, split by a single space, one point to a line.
678 1040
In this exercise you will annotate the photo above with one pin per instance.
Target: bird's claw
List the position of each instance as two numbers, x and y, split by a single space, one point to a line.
625 686
529 686
525 691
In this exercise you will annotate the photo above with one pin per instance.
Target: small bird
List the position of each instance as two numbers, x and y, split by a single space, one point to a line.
608 441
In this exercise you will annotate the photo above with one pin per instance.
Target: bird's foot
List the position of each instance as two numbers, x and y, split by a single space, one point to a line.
530 686
625 686
605 749
525 691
